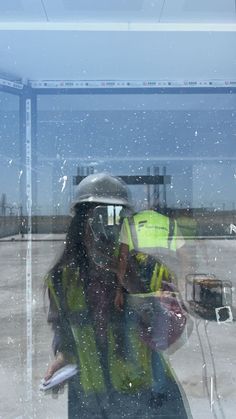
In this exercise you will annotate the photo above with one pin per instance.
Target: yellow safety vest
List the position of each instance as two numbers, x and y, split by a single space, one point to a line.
127 375
147 232
151 230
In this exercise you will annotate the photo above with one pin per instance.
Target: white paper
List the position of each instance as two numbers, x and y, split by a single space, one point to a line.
59 377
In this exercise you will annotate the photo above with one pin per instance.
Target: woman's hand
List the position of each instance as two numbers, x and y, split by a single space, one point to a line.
58 363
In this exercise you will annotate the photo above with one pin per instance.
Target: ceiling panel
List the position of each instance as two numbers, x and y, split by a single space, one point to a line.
111 10
22 10
117 10
95 55
104 5
198 11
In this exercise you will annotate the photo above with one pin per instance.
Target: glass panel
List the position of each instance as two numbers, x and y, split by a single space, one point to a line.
189 137
12 258
9 155
186 139
24 336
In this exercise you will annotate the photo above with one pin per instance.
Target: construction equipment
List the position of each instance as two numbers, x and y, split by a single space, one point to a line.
209 297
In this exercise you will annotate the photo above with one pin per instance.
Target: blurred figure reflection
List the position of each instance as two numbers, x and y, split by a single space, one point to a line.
151 252
115 375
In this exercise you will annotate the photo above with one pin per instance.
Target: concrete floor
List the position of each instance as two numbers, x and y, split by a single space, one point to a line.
205 365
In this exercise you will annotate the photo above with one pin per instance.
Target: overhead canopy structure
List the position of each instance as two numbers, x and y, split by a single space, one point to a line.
118 10
111 39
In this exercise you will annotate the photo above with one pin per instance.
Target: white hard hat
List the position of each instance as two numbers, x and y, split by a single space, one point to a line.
103 188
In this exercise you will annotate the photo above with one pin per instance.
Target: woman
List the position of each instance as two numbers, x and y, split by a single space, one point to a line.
115 368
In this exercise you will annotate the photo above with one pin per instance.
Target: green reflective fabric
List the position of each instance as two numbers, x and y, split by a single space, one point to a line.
160 273
149 229
91 374
128 373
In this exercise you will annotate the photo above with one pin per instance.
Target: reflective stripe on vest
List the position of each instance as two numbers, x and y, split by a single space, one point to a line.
159 273
91 375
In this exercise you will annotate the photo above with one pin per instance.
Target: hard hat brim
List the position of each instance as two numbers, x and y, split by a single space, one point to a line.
109 201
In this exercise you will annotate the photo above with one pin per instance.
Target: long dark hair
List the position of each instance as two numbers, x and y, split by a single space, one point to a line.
74 254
